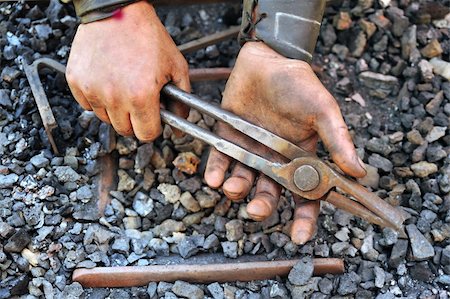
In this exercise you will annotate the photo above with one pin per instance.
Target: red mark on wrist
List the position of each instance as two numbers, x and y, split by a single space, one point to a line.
117 14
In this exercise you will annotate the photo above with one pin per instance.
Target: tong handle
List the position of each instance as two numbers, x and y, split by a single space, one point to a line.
372 202
272 141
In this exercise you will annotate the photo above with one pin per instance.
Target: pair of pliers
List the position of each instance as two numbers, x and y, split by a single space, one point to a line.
306 174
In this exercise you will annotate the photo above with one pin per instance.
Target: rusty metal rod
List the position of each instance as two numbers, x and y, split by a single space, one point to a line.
211 39
108 173
134 276
209 74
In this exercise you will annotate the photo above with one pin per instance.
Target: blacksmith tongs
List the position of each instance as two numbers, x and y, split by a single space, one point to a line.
305 174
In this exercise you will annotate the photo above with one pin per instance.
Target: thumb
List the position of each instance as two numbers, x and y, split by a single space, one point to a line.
334 134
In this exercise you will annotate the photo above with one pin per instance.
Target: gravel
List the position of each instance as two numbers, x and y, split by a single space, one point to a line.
381 56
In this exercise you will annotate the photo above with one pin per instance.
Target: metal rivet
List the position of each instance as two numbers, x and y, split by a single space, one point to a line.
306 178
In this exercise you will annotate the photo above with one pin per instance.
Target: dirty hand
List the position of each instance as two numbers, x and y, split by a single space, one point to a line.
285 97
118 66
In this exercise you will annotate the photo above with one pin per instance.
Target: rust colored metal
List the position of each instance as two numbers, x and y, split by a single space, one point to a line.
134 276
106 182
212 39
209 74
45 111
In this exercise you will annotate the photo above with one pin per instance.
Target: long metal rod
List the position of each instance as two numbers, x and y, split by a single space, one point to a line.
209 74
212 39
134 276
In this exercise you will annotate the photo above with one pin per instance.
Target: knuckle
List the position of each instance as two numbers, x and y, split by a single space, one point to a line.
71 77
124 131
147 136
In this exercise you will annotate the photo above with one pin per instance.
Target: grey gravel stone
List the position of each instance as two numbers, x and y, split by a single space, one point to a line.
143 156
168 227
121 245
379 85
18 241
8 181
398 253
142 204
39 161
348 283
66 174
435 134
151 289
380 277
73 291
380 162
189 202
445 256
301 272
235 230
84 193
190 245
216 290
171 193
126 183
230 249
211 241
159 246
304 291
326 285
420 246
187 290
367 249
5 101
277 290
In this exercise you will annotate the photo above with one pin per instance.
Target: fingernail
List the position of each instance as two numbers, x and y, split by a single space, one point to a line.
301 239
363 165
232 194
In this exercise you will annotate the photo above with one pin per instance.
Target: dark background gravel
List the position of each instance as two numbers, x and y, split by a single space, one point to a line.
377 57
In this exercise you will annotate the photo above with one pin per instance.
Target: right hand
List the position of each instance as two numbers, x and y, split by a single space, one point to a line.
118 66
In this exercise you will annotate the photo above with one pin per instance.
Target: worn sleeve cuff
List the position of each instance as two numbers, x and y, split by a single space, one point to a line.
290 27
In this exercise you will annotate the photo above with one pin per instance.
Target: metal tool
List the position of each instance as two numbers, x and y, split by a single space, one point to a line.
305 175
203 268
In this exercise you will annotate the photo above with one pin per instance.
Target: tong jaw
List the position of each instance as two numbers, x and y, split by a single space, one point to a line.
314 179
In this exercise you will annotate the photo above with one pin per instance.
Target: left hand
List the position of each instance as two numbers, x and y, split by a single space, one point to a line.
285 97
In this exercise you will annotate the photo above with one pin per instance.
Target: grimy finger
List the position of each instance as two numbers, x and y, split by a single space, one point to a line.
216 167
102 115
80 98
334 134
305 220
120 120
265 201
240 183
145 119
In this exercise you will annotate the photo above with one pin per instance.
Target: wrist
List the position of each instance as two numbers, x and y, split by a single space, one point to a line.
290 27
95 10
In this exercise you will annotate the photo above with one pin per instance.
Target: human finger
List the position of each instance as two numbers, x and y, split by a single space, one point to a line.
265 201
304 225
334 134
239 184
144 115
216 167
